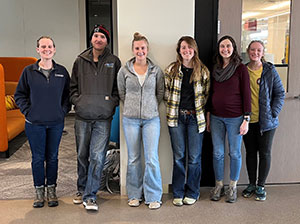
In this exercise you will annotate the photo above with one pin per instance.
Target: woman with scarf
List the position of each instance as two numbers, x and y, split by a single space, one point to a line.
229 113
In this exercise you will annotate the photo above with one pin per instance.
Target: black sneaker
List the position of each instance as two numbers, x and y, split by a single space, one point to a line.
231 194
249 191
216 193
90 204
260 194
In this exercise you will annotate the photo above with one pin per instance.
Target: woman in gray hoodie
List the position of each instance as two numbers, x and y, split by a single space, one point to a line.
141 88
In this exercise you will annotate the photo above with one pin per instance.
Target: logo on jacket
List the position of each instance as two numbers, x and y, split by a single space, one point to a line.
59 75
109 65
258 81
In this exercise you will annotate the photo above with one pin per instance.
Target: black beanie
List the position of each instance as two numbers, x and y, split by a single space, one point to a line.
100 29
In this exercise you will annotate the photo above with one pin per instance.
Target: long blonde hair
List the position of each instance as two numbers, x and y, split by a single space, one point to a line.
197 64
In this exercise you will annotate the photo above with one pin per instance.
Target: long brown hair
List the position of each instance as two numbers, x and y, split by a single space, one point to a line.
235 57
197 64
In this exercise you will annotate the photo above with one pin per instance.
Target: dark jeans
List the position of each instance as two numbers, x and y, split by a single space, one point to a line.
44 142
261 144
92 140
186 139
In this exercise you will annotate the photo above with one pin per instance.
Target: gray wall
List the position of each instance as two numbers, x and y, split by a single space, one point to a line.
22 22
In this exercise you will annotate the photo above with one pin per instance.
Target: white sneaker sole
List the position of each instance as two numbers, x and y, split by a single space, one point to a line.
77 201
90 207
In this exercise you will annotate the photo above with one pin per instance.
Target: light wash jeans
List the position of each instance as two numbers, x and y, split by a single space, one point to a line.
219 127
138 131
92 140
186 139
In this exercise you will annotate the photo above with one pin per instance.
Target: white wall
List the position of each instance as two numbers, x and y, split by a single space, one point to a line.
163 23
22 22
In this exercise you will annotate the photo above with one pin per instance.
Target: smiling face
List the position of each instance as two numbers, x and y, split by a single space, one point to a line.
140 50
186 51
226 49
99 41
255 51
45 48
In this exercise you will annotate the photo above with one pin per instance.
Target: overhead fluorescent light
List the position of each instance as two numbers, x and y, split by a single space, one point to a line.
278 6
249 14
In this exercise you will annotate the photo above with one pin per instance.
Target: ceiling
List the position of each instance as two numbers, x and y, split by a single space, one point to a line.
260 9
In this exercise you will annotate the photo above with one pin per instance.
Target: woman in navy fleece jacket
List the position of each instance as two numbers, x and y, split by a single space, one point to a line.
42 95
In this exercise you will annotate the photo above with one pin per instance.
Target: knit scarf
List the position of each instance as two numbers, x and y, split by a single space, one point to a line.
223 74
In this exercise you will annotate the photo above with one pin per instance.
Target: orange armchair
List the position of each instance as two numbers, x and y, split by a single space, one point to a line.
12 122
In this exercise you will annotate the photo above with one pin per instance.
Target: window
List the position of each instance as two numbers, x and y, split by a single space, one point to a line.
99 12
268 21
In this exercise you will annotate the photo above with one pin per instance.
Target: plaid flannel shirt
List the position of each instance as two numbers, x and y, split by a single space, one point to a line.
172 97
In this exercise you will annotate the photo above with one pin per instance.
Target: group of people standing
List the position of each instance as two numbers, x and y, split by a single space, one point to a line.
237 100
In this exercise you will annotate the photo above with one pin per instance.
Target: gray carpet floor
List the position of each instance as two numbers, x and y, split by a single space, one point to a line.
15 172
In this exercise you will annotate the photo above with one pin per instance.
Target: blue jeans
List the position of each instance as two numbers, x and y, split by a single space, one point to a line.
92 140
219 126
44 143
138 131
186 139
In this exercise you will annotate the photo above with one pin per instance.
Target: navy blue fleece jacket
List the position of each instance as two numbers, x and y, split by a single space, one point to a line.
44 101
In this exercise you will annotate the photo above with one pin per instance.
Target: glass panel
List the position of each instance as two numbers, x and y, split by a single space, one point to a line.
99 12
268 21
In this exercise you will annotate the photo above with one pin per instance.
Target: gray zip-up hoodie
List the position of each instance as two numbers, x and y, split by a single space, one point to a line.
141 101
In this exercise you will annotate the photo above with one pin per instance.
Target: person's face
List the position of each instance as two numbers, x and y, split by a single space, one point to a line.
186 51
255 52
226 49
140 50
46 50
99 41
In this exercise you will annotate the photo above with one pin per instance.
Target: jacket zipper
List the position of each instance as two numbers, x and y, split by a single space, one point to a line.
141 103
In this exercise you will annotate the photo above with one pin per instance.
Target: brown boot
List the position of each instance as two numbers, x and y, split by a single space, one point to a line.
51 196
39 197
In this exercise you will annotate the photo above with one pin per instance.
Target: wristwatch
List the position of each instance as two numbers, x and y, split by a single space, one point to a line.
247 118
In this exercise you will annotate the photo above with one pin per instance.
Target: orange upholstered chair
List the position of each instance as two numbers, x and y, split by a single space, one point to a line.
12 122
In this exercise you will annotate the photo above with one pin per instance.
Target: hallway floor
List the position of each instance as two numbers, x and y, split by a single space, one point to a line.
281 206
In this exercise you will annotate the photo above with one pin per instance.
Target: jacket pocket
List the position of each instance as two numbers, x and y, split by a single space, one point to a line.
95 107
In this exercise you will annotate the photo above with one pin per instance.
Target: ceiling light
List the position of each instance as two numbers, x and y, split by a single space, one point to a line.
249 14
278 6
